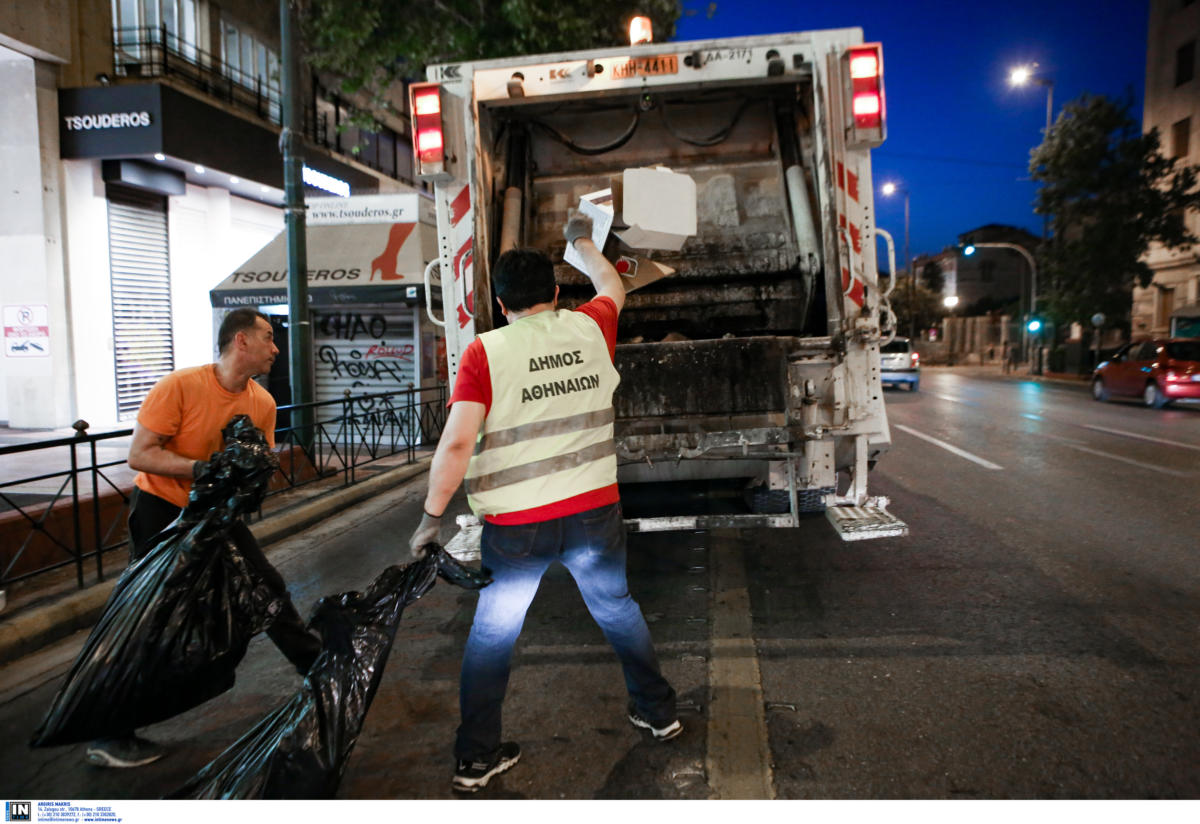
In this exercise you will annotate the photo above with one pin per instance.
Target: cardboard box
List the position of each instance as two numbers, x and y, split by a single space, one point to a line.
658 206
644 272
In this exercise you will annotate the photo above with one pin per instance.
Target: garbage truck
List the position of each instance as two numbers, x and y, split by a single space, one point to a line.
748 351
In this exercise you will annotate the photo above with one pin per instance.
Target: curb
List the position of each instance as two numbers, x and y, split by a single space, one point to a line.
32 629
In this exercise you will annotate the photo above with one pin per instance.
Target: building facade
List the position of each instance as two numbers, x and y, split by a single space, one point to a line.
141 139
1172 301
990 278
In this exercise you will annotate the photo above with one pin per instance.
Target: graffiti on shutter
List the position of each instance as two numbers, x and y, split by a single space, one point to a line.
365 348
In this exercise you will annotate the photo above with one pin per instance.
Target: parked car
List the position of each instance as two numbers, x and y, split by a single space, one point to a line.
1157 371
900 363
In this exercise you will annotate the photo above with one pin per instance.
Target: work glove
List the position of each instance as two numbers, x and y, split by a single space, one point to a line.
427 532
578 225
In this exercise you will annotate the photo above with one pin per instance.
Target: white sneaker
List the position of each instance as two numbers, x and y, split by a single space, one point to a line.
663 732
130 751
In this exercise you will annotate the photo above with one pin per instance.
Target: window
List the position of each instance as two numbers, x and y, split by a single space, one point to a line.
251 65
138 23
1185 63
1179 137
1148 351
1165 305
1184 350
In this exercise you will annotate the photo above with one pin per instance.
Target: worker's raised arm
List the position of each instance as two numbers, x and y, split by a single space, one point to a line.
600 272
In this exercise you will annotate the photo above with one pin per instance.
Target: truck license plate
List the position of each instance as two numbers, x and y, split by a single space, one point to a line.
645 66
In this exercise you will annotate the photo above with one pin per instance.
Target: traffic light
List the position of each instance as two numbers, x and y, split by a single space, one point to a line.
1034 325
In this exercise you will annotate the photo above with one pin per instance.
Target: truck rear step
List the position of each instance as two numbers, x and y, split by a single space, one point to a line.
871 520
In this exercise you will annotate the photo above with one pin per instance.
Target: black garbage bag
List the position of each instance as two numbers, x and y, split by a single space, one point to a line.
179 619
300 749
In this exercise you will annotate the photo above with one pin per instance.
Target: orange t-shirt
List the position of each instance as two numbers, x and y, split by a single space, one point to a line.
192 407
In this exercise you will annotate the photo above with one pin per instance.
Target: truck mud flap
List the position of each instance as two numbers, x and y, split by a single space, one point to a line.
861 523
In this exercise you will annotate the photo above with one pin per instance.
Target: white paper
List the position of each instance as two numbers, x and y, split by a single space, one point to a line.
599 207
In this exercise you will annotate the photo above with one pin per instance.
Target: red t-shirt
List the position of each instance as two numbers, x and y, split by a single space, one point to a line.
474 383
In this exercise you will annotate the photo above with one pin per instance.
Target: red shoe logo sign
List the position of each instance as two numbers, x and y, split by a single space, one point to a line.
386 264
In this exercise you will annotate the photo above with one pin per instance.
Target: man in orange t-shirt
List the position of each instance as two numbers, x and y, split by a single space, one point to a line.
178 428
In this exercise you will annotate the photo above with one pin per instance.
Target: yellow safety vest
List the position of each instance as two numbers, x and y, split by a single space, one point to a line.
548 435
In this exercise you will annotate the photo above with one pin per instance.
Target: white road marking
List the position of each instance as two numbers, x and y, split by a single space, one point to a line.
1125 434
739 755
962 453
1129 461
952 399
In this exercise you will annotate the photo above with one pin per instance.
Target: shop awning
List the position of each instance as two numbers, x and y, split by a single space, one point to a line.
1192 310
355 263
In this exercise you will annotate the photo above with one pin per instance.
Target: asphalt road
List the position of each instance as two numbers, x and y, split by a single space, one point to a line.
1035 636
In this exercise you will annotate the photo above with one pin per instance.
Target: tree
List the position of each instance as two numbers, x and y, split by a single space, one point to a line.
1111 193
932 277
370 44
919 305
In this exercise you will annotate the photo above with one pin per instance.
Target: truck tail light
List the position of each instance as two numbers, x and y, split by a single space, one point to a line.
916 356
863 86
429 148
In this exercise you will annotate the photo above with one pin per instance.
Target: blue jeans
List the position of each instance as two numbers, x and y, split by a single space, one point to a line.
591 545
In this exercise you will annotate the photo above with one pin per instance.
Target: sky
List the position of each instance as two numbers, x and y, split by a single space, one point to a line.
959 135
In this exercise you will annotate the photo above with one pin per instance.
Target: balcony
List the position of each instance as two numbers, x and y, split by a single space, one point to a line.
155 53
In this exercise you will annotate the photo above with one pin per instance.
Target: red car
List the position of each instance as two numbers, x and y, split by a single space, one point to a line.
1157 371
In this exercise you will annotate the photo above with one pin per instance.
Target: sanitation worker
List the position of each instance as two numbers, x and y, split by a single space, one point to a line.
178 427
530 428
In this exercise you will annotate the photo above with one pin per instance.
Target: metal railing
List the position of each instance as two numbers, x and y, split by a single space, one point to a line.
81 512
158 52
366 428
152 52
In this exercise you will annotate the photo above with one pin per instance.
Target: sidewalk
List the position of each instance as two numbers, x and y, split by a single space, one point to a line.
1021 372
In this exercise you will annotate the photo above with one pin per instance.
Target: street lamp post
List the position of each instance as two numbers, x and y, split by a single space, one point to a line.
890 189
953 338
970 250
1023 75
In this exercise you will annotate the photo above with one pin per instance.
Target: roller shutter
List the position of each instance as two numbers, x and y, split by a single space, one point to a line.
141 294
363 348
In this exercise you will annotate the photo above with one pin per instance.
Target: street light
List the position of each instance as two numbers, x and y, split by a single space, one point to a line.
952 336
890 189
1023 75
